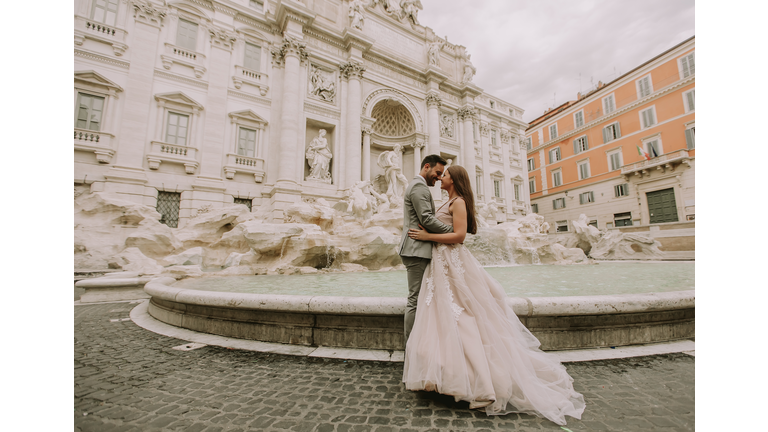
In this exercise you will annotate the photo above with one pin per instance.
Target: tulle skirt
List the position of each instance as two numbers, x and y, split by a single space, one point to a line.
468 343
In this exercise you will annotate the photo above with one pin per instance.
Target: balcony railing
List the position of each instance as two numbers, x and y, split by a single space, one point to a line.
244 164
660 163
95 142
171 153
189 58
89 29
252 77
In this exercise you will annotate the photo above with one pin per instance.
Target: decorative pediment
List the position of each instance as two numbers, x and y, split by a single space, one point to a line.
497 174
247 116
178 98
517 178
190 8
96 79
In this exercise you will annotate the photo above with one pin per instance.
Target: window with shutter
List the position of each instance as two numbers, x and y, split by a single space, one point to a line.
252 58
177 129
246 145
531 164
609 105
586 197
615 159
528 144
644 86
558 203
621 190
688 65
579 119
690 97
653 148
649 119
557 178
104 11
580 145
186 35
583 170
690 138
611 132
532 185
553 132
89 110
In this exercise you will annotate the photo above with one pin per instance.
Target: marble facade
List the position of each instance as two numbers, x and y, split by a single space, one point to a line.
220 102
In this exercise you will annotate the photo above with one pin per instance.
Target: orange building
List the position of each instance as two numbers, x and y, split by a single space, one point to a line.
622 154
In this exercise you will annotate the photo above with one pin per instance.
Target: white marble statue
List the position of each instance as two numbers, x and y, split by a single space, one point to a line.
469 70
322 86
390 161
410 9
433 53
319 158
356 8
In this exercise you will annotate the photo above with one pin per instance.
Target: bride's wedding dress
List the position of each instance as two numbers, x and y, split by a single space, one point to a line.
468 343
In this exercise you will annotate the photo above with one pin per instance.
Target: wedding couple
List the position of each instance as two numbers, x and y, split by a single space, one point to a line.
463 339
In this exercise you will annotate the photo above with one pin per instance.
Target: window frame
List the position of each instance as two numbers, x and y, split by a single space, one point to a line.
551 137
102 111
529 143
497 192
559 154
559 174
604 99
479 183
581 163
652 108
690 144
579 146
245 55
681 68
532 185
575 119
106 12
559 224
558 200
623 187
167 128
616 126
535 208
687 102
647 141
623 218
494 138
610 153
531 164
589 195
178 33
638 86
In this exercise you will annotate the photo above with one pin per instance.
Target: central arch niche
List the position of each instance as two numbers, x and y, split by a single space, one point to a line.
394 124
392 119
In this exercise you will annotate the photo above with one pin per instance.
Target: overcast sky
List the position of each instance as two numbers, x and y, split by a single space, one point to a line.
531 52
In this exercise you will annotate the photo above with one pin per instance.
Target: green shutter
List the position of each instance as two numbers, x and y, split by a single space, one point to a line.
575 147
586 143
618 130
691 100
606 134
689 139
686 69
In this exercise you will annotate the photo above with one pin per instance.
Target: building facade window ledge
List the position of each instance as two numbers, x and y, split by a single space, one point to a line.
244 164
185 57
257 79
172 153
660 163
96 142
108 34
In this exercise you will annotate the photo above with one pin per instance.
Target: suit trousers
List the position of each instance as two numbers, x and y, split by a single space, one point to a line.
415 267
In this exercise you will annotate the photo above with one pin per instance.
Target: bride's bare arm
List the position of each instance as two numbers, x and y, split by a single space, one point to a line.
458 209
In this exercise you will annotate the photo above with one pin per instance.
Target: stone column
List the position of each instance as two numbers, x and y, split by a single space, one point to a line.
417 146
367 153
353 74
466 114
433 117
292 52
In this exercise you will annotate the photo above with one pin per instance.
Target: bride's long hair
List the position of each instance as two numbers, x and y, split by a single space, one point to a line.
463 188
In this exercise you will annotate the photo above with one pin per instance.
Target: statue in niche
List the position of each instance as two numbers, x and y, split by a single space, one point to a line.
410 9
433 53
396 181
323 86
319 159
469 70
446 125
356 13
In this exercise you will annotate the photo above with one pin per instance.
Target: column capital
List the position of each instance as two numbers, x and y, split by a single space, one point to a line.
465 113
352 70
290 46
367 130
418 144
433 100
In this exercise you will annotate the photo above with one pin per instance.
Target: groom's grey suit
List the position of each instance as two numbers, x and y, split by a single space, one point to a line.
418 208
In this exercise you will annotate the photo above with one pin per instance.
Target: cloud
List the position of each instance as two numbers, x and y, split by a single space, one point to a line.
531 52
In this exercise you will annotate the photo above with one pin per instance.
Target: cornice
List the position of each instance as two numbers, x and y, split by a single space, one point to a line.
618 112
245 19
208 5
265 102
102 58
182 79
325 111
382 61
324 37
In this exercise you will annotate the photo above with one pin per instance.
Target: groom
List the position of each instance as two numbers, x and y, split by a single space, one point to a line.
419 209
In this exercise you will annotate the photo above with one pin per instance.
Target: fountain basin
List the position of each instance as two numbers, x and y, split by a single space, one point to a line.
574 322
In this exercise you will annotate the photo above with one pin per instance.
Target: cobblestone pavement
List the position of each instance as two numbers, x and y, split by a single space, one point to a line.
129 379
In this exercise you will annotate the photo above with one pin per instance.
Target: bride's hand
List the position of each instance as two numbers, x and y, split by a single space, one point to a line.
418 234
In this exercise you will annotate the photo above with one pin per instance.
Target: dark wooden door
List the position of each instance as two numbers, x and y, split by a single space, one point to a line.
662 206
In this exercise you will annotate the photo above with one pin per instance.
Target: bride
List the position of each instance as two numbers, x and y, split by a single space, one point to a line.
466 341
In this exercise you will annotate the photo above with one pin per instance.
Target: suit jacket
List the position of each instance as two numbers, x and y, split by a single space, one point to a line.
419 208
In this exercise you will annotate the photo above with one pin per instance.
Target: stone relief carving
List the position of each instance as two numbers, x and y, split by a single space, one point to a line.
399 9
147 13
352 69
433 99
390 161
222 38
363 201
356 13
469 69
484 129
447 125
319 159
323 84
433 52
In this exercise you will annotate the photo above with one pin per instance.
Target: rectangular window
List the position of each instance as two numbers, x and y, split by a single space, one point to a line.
593 223
621 190
177 129
622 219
535 208
687 64
517 191
479 184
89 111
531 164
553 132
653 148
611 132
648 117
558 203
614 160
493 104
168 204
644 87
186 35
557 179
532 185
609 104
104 11
690 100
562 226
584 170
493 138
246 202
497 188
554 155
257 4
580 144
528 143
252 58
578 119
690 138
586 197
246 143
